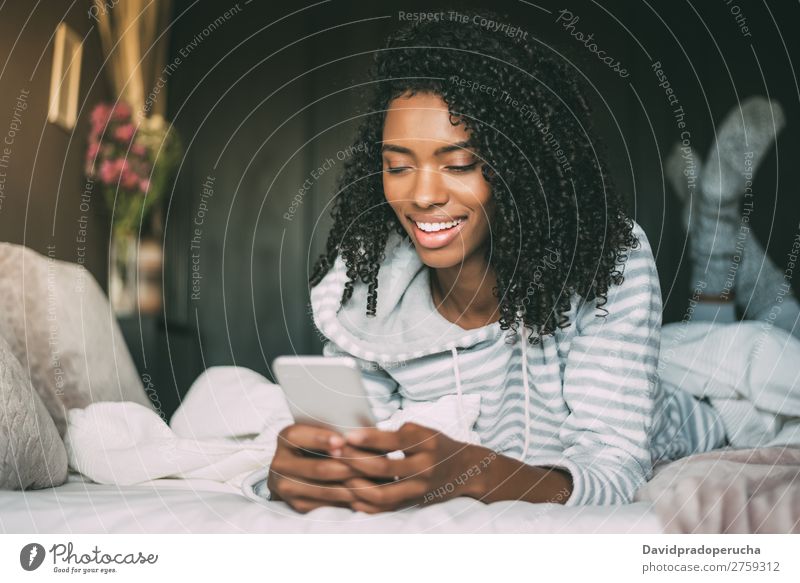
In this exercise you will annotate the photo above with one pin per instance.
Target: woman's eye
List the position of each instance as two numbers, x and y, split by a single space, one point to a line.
466 168
396 169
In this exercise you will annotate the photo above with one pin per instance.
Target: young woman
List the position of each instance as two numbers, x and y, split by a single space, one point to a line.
505 309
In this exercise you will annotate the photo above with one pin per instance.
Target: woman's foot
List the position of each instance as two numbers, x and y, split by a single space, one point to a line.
743 139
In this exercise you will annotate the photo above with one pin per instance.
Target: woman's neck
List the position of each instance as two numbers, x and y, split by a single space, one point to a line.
463 293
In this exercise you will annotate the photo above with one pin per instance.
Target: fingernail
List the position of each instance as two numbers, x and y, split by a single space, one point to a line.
336 440
354 436
336 452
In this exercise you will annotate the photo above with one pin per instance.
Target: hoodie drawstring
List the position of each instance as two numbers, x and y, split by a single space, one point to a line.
458 390
527 393
457 373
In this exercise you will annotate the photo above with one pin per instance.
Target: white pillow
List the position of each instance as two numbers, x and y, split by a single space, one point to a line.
60 326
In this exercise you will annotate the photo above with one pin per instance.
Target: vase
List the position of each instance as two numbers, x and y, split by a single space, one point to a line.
122 274
149 263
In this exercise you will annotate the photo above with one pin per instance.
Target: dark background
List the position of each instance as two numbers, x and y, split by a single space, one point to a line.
272 93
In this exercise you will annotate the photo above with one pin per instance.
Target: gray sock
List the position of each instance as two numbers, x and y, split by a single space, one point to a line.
743 139
712 243
718 232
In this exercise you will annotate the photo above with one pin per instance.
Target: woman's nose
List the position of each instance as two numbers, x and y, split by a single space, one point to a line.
429 188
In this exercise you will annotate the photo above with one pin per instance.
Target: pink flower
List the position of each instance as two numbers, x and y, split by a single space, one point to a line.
144 185
138 150
110 170
122 112
124 133
99 117
130 180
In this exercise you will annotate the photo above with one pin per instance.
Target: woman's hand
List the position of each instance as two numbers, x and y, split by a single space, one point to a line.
436 468
302 473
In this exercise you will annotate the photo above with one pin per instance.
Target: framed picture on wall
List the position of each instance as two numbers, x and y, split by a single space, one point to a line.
65 77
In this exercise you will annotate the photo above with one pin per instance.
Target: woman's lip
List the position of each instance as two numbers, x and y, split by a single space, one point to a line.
439 238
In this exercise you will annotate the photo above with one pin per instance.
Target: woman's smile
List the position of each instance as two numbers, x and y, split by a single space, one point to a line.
433 234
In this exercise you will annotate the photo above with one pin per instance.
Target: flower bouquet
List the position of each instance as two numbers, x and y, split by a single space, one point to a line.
133 163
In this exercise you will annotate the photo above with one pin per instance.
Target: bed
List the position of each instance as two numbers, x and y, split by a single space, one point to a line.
203 506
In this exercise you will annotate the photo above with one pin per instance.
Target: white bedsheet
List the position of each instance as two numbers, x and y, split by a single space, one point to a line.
204 506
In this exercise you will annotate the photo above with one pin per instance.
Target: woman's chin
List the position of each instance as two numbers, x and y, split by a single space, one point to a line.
442 258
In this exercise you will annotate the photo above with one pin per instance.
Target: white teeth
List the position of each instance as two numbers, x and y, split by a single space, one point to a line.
433 227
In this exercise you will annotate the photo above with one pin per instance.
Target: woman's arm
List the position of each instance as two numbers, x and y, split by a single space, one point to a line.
499 477
610 385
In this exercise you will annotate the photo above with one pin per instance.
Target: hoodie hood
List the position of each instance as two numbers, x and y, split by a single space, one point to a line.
406 325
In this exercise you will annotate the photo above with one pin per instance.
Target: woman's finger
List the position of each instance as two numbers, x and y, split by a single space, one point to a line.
310 438
307 504
317 470
388 496
290 489
410 437
377 465
361 506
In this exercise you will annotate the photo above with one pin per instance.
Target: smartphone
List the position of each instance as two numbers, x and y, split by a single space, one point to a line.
325 390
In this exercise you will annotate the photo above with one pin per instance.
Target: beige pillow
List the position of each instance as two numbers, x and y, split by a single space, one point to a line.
60 326
32 454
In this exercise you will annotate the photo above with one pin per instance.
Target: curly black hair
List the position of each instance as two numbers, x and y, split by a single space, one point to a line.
553 194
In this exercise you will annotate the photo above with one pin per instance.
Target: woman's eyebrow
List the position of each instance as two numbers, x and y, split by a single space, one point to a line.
443 150
452 148
393 148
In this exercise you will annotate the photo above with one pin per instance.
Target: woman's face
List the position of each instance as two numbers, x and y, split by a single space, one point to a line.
433 182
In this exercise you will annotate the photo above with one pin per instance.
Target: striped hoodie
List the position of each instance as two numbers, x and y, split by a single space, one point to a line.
586 399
